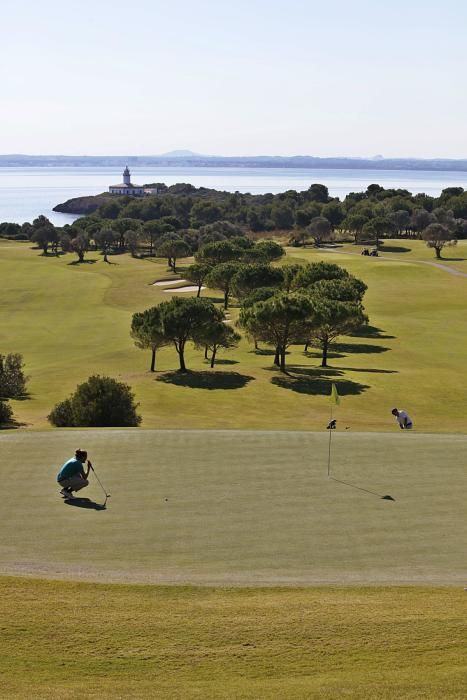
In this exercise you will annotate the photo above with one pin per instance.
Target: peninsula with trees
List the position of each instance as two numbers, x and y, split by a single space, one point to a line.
199 215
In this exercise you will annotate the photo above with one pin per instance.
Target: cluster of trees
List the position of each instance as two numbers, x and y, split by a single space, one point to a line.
312 305
282 306
179 321
219 264
311 214
197 216
49 238
12 384
396 214
197 207
238 248
387 213
100 402
149 239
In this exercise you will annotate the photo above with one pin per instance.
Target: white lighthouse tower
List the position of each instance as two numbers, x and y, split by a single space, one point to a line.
127 187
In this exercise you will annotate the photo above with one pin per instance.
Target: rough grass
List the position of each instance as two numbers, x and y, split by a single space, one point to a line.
74 640
231 507
70 321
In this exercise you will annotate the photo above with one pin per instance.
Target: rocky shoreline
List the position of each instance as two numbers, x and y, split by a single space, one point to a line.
83 205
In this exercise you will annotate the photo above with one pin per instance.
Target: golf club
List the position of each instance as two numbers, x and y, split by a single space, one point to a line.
107 495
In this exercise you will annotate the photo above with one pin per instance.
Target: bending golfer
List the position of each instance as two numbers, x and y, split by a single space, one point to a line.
72 476
403 418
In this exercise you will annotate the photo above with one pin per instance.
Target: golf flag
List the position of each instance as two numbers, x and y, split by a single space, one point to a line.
334 395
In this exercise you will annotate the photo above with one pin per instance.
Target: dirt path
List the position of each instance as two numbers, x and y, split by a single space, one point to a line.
445 268
451 270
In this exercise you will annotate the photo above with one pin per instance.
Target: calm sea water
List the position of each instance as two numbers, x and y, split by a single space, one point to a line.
27 192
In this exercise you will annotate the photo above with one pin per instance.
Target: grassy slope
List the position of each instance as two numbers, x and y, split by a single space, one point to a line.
70 321
68 640
228 512
246 507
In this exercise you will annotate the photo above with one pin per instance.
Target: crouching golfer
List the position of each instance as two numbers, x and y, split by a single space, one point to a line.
403 418
72 476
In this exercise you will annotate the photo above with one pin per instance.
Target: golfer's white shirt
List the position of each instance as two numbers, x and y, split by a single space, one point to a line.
403 417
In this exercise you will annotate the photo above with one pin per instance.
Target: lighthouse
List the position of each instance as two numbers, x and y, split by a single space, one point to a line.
127 187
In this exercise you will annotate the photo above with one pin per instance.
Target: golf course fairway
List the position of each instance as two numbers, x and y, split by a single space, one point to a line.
70 321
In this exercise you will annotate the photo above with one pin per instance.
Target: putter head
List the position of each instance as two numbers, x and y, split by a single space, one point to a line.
387 498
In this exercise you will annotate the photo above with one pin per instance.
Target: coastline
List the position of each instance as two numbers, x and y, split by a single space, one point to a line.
26 192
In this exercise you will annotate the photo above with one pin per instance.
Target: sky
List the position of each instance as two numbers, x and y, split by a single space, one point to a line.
250 77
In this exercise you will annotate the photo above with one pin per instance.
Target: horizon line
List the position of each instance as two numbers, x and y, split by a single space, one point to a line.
191 155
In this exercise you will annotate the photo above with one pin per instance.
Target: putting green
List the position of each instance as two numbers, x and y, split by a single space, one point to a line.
239 507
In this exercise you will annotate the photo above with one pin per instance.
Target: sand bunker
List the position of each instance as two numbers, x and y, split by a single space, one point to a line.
190 288
165 283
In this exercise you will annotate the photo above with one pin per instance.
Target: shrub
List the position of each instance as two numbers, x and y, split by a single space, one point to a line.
12 378
270 250
6 413
99 402
62 414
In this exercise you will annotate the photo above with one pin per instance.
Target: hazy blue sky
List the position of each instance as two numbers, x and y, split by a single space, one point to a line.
234 78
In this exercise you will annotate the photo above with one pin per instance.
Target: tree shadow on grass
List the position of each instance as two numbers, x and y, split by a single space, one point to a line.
25 396
85 503
13 424
342 349
317 354
91 261
370 371
50 254
262 351
223 362
395 249
206 379
359 348
372 332
318 382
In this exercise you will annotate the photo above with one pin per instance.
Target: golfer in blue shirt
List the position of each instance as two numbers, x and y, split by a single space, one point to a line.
72 476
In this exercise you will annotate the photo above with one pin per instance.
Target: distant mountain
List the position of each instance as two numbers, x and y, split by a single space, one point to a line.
181 154
190 159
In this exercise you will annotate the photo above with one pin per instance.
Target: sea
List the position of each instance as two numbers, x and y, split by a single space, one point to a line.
26 192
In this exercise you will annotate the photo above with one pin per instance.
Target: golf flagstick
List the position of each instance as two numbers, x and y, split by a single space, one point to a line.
335 398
